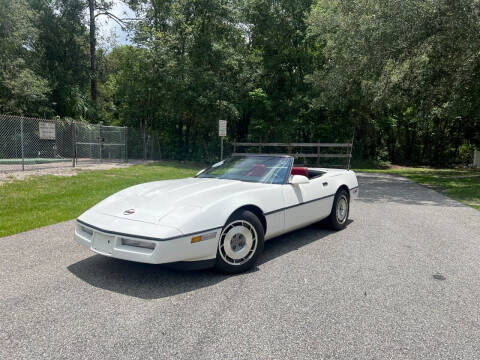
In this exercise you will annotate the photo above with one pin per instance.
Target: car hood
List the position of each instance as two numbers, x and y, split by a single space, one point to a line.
169 202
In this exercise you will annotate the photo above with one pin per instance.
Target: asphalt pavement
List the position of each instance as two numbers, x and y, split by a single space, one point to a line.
401 282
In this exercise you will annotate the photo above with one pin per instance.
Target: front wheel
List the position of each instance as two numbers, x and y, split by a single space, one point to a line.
340 209
240 244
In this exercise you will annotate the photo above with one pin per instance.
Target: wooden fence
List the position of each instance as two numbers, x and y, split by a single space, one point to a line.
346 148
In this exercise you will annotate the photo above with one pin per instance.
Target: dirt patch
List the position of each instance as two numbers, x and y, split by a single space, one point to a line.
62 170
461 176
400 167
460 168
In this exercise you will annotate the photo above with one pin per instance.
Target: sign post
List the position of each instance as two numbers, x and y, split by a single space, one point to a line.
222 132
23 150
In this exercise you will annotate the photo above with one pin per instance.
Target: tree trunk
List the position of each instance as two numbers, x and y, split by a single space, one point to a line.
93 55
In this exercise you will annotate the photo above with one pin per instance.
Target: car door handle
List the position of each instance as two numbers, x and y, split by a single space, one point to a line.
325 183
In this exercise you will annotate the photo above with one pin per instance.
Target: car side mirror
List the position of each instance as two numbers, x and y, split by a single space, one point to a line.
201 171
299 179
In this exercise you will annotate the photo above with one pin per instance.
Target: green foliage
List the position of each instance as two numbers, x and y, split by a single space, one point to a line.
63 49
190 74
22 89
404 72
403 75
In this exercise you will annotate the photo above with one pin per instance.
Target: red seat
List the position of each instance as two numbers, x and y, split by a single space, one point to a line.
300 171
258 170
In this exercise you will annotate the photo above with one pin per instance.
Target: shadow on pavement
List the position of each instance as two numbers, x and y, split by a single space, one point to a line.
387 188
149 281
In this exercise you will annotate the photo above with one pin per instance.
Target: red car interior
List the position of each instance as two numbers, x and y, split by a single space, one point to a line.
258 170
300 171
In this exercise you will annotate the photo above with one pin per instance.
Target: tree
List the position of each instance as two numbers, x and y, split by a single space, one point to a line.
22 89
98 8
403 71
62 55
284 57
193 68
93 51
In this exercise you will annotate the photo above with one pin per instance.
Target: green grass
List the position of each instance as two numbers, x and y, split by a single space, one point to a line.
44 200
461 185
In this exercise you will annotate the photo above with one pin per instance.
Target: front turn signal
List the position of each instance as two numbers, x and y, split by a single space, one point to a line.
196 239
203 237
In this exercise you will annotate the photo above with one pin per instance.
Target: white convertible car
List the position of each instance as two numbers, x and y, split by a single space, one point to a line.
221 217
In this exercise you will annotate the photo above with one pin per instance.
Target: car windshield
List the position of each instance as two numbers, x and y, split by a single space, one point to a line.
261 169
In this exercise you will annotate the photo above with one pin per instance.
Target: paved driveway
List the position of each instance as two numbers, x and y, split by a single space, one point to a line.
367 292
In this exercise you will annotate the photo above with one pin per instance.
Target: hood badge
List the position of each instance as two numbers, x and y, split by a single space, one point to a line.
129 212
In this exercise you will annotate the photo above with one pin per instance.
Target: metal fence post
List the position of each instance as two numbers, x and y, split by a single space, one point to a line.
221 147
22 144
125 135
144 144
100 141
74 146
351 149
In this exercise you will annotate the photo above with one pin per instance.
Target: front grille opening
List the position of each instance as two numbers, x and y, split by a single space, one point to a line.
85 232
139 243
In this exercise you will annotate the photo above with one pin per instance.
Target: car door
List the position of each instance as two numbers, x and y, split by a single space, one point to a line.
306 203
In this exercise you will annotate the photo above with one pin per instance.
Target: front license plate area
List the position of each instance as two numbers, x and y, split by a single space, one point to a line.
103 243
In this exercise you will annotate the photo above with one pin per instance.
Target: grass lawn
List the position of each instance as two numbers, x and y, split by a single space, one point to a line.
461 185
44 200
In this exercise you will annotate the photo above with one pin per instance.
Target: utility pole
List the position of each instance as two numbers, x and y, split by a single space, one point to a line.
93 52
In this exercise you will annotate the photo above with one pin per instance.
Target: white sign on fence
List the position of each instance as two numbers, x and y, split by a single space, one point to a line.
46 130
222 128
476 159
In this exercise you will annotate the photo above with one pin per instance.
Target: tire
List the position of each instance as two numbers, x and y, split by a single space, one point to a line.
340 210
241 243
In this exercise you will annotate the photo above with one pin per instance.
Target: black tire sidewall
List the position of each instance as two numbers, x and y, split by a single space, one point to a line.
246 215
334 224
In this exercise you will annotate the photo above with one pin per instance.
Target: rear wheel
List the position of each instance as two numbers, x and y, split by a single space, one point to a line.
241 243
340 210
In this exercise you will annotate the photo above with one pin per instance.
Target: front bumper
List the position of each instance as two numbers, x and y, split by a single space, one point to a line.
155 251
354 193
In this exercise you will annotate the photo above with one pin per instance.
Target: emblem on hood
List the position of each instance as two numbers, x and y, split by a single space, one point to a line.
129 212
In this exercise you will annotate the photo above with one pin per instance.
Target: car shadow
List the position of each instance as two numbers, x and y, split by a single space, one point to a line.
147 281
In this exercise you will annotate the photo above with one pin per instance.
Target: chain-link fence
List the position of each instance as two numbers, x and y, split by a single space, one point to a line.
98 143
143 145
31 143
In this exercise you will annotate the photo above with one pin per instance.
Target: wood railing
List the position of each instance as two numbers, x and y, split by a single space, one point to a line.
347 154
